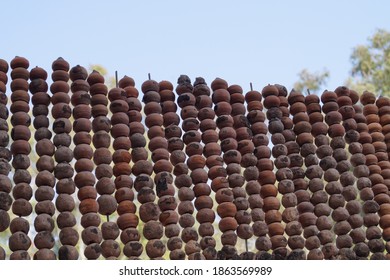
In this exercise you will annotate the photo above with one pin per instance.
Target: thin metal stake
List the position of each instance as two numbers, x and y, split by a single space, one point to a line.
246 245
116 78
149 76
251 85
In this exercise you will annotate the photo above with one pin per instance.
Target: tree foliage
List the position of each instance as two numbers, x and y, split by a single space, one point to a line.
371 64
370 68
312 81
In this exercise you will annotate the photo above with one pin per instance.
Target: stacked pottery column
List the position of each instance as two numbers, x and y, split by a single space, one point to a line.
316 185
172 133
296 198
206 115
45 180
289 164
5 155
271 203
228 223
234 155
196 163
149 211
362 172
101 140
63 155
83 153
184 181
383 104
261 160
143 183
19 242
359 232
162 166
331 174
340 214
130 236
104 171
370 110
158 145
347 179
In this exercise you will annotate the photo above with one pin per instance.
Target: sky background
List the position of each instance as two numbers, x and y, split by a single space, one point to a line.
241 41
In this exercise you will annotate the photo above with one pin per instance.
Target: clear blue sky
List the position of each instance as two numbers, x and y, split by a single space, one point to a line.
242 41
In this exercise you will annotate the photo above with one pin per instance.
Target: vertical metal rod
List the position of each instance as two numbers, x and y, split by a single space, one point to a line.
251 85
116 78
149 76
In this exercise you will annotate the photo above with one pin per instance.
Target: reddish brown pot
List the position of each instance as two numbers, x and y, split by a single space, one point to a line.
165 85
328 96
19 84
60 75
220 95
271 203
367 98
3 77
270 90
271 101
59 86
99 110
127 220
20 73
150 85
301 117
227 223
19 61
219 83
3 66
275 230
297 107
98 89
78 73
60 64
253 96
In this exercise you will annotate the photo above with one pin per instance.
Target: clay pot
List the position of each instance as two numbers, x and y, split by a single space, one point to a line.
227 223
150 85
4 66
20 73
367 98
60 75
271 101
295 97
297 107
219 83
19 61
128 220
330 106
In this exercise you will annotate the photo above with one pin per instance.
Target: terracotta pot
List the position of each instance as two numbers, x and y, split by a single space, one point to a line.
20 73
19 61
270 90
3 66
78 73
150 85
60 75
253 96
59 86
60 64
98 89
219 83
